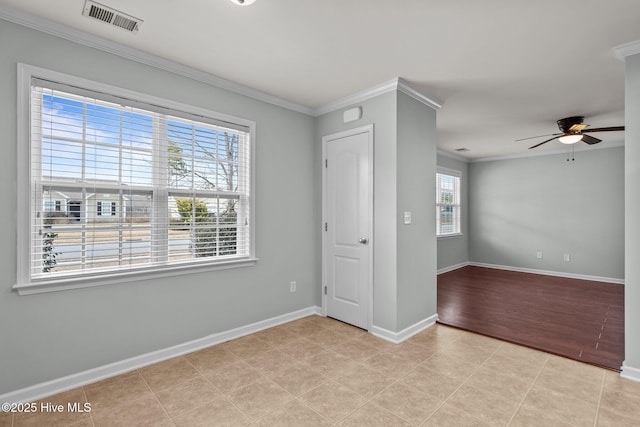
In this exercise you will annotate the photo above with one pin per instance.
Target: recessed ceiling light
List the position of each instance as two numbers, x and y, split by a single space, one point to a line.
243 2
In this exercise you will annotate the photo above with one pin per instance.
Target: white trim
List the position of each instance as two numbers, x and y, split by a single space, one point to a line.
627 49
404 87
362 96
58 30
453 267
440 170
630 373
39 391
538 153
90 281
550 273
453 156
24 284
406 333
90 40
26 72
392 85
369 130
449 236
23 185
448 171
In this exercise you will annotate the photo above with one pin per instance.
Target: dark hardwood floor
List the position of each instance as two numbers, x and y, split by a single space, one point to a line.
579 319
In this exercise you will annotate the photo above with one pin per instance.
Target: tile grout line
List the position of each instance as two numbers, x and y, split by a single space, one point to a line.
444 402
533 383
366 400
294 397
266 377
155 396
86 399
396 381
137 397
595 420
224 395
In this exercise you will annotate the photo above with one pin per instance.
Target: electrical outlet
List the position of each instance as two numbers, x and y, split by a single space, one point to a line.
539 255
292 286
567 257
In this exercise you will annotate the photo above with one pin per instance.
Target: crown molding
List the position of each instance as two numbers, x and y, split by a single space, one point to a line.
357 97
49 27
62 31
453 156
396 84
404 87
627 49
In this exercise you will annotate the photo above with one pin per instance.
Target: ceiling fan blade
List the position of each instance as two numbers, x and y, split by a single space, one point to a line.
590 139
544 142
539 136
607 129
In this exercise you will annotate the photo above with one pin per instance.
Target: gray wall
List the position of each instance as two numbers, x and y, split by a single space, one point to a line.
404 169
544 203
381 112
51 335
417 252
632 213
455 250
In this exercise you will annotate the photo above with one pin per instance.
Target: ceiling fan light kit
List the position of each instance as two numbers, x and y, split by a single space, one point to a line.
570 139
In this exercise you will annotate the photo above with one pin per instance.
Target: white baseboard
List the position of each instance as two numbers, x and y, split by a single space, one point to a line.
398 337
39 391
549 273
453 267
630 373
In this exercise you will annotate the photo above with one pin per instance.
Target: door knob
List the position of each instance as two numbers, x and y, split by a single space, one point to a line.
363 240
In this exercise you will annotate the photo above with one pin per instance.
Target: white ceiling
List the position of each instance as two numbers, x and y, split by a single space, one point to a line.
503 69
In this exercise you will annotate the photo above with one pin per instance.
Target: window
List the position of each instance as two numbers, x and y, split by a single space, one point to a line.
150 188
448 216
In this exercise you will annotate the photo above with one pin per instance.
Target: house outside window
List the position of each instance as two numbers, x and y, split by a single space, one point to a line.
174 183
448 206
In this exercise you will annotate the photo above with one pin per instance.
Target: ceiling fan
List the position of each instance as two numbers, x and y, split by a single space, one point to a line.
573 130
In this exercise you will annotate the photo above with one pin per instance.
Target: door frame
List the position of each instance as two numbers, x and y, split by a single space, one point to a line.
369 130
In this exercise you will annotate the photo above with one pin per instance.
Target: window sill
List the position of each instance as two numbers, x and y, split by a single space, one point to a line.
449 236
88 281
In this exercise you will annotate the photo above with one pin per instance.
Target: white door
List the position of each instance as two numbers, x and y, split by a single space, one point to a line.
348 214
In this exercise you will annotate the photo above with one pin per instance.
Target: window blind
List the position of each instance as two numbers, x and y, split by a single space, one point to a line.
448 216
117 184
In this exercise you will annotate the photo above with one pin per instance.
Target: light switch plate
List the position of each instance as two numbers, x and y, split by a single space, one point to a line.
407 218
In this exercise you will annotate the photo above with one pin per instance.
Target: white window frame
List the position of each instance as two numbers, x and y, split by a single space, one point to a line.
25 284
457 174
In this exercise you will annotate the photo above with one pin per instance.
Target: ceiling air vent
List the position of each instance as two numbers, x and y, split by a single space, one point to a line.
111 16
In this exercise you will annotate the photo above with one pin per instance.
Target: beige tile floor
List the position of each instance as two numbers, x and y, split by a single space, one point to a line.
319 372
